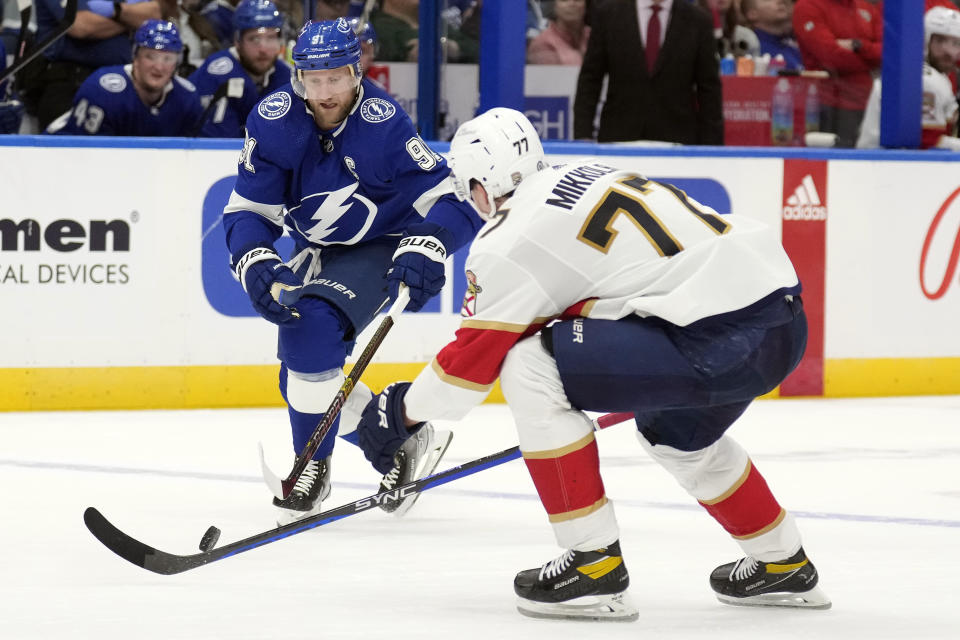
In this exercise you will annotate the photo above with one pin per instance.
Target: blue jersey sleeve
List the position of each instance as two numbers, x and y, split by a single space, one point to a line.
254 215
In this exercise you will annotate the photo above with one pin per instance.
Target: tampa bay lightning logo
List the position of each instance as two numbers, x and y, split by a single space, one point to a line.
113 82
343 26
274 106
376 110
220 66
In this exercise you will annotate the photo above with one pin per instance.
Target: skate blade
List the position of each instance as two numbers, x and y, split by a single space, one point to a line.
616 607
813 599
431 459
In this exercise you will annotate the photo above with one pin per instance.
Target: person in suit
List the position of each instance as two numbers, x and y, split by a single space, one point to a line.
664 80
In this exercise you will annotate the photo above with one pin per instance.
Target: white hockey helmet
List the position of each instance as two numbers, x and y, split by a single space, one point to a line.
498 149
942 22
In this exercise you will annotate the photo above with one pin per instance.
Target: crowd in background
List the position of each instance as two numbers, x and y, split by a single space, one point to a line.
659 62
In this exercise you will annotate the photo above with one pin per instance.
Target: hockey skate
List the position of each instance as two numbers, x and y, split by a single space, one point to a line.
304 500
416 459
579 585
787 583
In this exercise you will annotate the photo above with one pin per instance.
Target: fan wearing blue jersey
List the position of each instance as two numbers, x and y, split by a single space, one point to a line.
335 162
143 98
231 82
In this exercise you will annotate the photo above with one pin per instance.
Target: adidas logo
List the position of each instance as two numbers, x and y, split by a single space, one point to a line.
805 202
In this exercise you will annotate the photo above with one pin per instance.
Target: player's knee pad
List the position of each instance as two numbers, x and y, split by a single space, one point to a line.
312 392
315 342
534 392
706 473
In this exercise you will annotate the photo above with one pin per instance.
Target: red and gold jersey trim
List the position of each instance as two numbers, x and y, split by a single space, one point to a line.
562 451
578 513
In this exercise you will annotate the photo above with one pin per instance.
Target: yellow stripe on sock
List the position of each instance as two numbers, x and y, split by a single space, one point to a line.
785 568
601 568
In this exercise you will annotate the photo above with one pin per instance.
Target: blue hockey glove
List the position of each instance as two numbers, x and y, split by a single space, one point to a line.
265 278
419 263
381 430
11 113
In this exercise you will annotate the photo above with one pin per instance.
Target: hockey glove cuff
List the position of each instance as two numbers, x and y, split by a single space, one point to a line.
382 429
419 263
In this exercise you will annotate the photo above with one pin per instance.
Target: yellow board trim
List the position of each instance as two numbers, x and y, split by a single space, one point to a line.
194 387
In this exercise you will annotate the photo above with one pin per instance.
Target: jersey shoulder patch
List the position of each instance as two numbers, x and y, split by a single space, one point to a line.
376 110
113 82
186 84
276 105
221 66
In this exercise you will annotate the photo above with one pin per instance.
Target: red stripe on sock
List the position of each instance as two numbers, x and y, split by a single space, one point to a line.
569 482
748 509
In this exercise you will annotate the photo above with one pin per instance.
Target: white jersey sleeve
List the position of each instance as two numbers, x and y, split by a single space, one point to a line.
591 240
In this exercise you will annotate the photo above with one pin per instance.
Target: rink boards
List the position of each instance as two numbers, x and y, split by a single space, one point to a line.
116 292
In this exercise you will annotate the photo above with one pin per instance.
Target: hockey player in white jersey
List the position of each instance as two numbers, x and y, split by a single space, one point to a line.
942 37
660 307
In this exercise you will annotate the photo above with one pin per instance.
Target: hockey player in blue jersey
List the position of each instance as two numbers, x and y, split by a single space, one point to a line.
334 161
143 98
251 63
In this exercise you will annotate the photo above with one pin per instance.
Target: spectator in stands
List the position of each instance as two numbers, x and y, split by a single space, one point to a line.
331 9
11 109
368 42
100 36
144 98
843 37
252 64
942 37
664 80
397 23
772 22
732 37
564 41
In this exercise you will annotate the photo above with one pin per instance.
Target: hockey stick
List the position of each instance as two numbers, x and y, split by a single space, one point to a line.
232 88
69 16
143 555
26 9
282 488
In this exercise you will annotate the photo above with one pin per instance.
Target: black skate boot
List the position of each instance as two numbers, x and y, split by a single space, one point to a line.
311 489
786 583
416 459
580 585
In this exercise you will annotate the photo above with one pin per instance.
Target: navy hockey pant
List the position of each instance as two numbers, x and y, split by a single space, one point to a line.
685 385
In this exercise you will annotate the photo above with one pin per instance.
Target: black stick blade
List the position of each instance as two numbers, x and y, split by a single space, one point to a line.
136 552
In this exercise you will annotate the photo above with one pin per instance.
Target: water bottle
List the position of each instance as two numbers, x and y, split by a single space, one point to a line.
728 66
781 118
811 109
776 64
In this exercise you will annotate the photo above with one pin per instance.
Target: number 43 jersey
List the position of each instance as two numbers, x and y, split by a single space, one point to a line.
369 177
587 239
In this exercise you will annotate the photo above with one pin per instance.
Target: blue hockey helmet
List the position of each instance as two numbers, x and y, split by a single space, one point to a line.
160 35
327 44
256 14
364 31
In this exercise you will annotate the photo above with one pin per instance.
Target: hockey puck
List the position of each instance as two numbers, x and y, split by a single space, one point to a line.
209 539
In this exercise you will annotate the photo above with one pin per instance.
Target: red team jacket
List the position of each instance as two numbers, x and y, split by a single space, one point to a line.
818 24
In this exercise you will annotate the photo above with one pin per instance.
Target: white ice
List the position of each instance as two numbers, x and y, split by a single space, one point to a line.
875 484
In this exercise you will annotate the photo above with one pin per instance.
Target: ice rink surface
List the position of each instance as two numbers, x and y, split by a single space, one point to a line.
875 485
